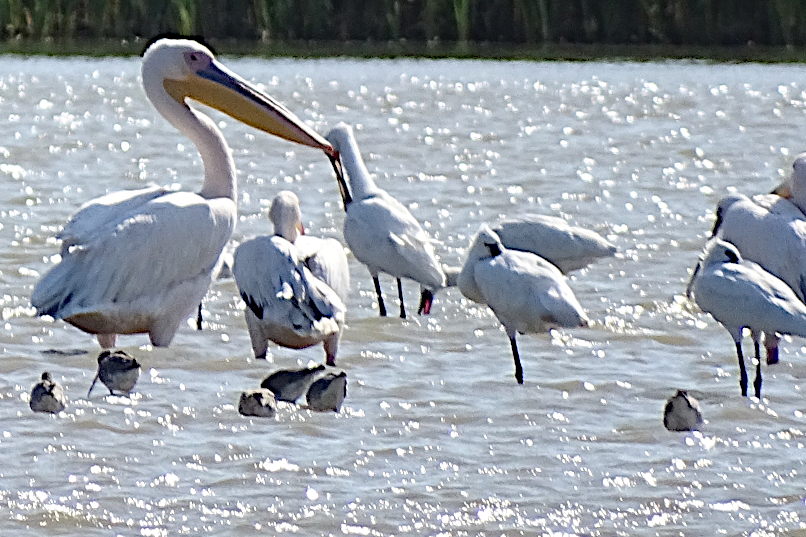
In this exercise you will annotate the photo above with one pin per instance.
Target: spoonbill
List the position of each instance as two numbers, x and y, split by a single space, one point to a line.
288 302
381 232
565 246
140 261
741 294
527 293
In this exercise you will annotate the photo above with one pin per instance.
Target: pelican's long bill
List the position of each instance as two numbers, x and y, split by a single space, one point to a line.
218 87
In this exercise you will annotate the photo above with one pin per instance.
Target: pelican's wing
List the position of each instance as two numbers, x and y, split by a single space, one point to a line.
566 246
130 262
101 213
326 260
279 289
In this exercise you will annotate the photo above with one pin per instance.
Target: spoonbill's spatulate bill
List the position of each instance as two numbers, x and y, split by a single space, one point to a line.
381 232
741 294
140 261
527 293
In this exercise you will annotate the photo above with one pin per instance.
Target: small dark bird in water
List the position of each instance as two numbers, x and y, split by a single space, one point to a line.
118 371
260 403
47 396
328 391
682 413
289 384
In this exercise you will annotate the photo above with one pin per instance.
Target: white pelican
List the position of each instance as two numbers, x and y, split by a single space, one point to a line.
258 403
682 413
141 261
288 302
527 293
327 392
565 246
381 232
47 396
289 384
118 371
794 187
740 294
770 231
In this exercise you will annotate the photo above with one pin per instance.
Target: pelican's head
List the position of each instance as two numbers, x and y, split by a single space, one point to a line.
186 69
794 188
286 216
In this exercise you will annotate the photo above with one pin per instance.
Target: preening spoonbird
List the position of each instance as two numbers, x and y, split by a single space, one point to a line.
381 232
527 293
740 294
140 261
771 231
565 246
289 302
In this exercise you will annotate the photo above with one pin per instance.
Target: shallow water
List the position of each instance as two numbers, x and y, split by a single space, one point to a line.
435 438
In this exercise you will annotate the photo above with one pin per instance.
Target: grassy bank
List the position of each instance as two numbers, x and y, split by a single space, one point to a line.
400 49
710 23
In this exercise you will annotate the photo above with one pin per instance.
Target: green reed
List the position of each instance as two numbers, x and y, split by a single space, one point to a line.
674 22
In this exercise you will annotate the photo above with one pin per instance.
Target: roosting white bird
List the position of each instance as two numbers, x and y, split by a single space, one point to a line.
381 232
565 246
771 231
140 261
740 294
294 298
527 293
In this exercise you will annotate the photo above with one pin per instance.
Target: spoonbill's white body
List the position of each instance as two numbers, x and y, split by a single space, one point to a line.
741 294
141 261
381 232
771 231
294 296
565 246
527 293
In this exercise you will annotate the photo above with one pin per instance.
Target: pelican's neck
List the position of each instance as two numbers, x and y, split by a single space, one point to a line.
361 183
798 190
219 166
287 231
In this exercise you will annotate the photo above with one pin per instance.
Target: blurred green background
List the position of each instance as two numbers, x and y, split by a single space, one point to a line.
745 29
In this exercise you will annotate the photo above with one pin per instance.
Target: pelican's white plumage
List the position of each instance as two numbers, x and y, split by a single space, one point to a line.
380 231
141 261
289 302
565 246
527 293
741 294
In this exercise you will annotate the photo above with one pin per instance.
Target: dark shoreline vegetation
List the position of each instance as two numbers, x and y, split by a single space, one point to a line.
721 30
433 50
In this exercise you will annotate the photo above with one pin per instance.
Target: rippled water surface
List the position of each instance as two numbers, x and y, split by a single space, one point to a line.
435 438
